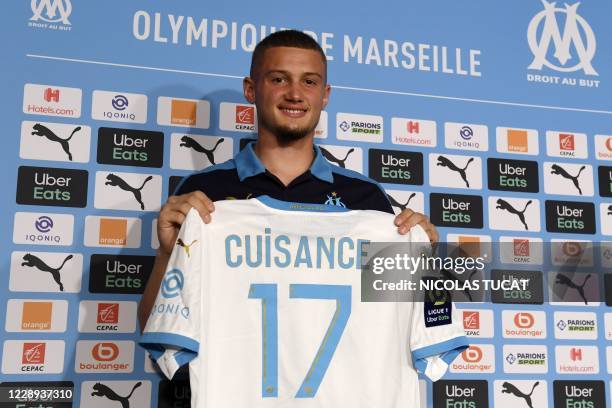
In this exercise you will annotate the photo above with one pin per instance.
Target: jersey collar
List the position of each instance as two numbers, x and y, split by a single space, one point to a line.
249 165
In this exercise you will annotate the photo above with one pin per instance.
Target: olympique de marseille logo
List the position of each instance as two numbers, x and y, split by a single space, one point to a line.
51 11
574 25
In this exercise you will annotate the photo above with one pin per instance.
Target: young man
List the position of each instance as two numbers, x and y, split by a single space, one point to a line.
288 85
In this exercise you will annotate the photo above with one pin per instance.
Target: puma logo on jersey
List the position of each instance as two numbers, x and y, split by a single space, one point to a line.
101 390
508 388
32 261
115 180
340 162
504 205
43 131
191 143
185 246
556 169
564 280
446 162
399 205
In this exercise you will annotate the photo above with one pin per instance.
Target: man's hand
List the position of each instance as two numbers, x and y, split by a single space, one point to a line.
408 219
173 214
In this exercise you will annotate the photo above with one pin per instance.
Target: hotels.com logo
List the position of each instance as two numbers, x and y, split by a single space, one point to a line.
576 354
473 354
105 352
51 95
108 313
33 353
245 114
413 127
524 320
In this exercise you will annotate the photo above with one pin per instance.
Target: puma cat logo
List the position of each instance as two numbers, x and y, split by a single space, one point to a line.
101 390
504 205
508 388
610 210
43 131
556 169
340 162
445 162
191 143
34 261
115 180
395 203
185 246
564 280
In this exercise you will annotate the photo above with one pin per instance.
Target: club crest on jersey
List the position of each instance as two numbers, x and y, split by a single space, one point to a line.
335 200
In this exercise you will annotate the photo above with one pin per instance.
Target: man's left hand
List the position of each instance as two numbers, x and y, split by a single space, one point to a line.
408 219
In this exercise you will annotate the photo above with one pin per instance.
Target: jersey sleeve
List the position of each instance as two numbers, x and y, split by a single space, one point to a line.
436 331
172 332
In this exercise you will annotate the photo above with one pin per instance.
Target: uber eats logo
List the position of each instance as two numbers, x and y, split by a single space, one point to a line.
130 147
570 217
579 394
51 186
393 166
454 210
513 175
605 181
532 281
460 394
119 273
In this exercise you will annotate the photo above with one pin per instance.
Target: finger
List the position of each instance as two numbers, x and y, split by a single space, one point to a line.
200 196
170 219
200 207
411 221
403 216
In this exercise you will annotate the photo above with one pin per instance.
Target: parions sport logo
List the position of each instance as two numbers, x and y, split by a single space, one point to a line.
561 40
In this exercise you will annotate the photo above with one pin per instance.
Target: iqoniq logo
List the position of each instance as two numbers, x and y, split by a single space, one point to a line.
51 11
570 39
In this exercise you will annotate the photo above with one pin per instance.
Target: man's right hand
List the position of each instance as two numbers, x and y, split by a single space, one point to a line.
173 214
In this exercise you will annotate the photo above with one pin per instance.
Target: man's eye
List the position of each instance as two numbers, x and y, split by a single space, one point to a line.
310 82
278 80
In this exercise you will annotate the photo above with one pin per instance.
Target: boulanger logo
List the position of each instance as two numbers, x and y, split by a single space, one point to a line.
52 186
603 147
193 113
52 14
43 229
361 128
576 44
517 360
455 171
33 357
579 393
119 273
575 325
104 357
460 393
52 100
568 179
475 359
128 191
195 152
130 147
236 117
54 141
572 253
119 107
172 284
524 324
521 393
103 317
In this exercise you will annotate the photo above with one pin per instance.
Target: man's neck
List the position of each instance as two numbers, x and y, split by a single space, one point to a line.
288 161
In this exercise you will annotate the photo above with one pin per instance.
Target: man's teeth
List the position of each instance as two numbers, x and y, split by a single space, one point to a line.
293 110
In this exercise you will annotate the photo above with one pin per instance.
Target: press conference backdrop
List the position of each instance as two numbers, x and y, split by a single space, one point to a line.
492 117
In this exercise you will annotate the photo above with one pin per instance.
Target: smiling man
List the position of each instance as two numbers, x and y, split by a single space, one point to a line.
288 85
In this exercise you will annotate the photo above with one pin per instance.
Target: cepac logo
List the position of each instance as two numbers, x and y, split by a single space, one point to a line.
129 147
566 142
193 113
237 117
513 175
361 128
396 167
36 315
105 352
455 171
113 317
525 393
544 31
460 393
194 152
517 141
119 273
524 320
520 247
478 323
52 101
51 11
570 217
33 353
245 115
568 179
413 132
521 250
453 210
52 186
567 145
532 294
113 231
579 394
464 136
108 313
471 320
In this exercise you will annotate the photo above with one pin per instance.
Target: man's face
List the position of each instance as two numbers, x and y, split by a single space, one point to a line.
289 89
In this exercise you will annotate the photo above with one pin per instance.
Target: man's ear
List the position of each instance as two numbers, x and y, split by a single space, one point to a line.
326 95
248 88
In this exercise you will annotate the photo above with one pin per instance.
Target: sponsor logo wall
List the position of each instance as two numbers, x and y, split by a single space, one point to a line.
506 144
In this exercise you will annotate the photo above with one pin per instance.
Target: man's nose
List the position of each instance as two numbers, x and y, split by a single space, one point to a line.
294 92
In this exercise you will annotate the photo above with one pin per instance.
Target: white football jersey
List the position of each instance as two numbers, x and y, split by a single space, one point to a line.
264 304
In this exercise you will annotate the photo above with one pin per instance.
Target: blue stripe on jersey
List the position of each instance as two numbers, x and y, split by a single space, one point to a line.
457 344
155 341
290 206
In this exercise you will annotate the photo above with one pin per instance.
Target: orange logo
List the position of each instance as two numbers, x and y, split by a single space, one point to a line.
105 351
36 316
524 320
517 141
245 114
113 231
183 112
566 141
521 247
471 320
33 353
108 313
472 354
470 245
